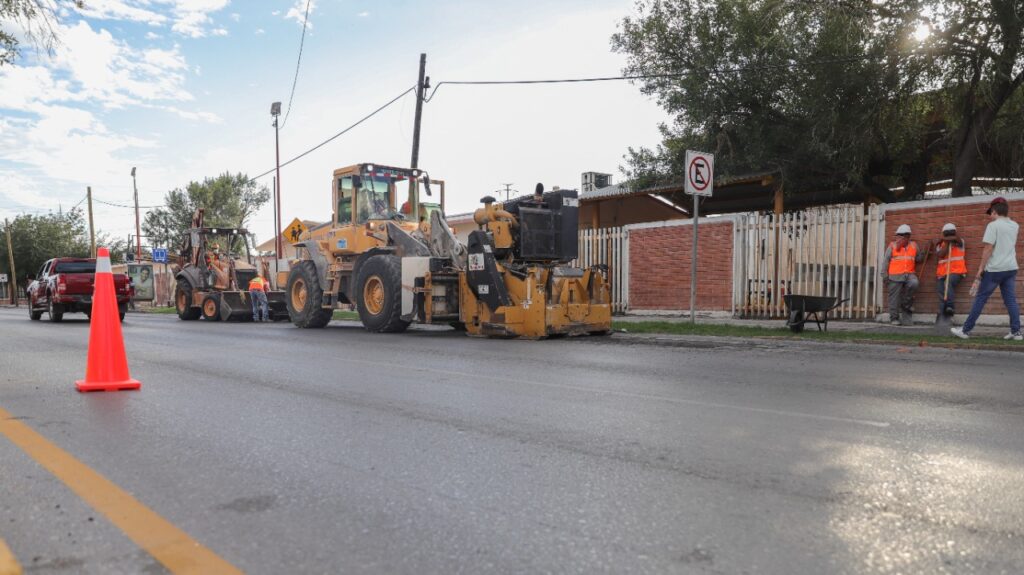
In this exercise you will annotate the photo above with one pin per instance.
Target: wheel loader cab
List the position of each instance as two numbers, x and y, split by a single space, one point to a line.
367 196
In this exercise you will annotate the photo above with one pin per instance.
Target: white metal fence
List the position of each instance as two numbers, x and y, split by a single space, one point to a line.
610 247
828 251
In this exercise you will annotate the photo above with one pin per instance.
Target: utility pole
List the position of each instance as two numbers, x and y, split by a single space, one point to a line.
420 92
138 228
421 88
92 230
14 274
508 190
275 111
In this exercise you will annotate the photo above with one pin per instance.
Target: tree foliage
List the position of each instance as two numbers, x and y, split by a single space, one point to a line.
229 200
36 19
837 95
37 238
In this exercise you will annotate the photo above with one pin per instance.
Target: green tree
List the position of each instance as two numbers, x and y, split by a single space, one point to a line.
35 239
37 19
837 95
228 200
976 48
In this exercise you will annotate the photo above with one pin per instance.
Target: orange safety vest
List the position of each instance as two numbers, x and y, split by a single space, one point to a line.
954 261
902 260
257 283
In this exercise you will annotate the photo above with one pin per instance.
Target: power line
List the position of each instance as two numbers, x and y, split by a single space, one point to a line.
785 66
335 136
127 207
302 42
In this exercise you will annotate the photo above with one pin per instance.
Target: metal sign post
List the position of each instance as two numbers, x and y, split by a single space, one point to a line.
700 176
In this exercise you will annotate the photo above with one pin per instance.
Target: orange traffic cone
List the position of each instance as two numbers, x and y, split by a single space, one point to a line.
107 366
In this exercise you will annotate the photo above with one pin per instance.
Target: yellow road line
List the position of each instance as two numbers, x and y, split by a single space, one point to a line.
8 564
171 546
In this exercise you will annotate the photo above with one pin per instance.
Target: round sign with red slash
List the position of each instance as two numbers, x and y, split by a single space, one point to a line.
699 173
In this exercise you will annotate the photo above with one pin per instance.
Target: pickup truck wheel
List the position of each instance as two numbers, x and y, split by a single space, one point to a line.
55 311
305 297
379 289
183 302
34 314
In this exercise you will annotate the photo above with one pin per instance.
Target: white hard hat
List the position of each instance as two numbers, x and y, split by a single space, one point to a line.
903 229
949 228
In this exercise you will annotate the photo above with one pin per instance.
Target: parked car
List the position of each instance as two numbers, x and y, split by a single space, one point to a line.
65 285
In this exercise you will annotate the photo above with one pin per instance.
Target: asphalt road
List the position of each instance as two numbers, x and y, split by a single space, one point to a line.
338 451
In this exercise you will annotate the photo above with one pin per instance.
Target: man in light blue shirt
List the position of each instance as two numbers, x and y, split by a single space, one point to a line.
998 269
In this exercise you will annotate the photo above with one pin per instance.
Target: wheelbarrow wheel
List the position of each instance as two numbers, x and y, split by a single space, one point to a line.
796 321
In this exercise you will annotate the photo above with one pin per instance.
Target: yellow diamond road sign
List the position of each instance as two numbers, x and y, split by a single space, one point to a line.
294 231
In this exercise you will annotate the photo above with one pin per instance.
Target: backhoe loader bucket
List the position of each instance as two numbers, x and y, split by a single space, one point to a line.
237 306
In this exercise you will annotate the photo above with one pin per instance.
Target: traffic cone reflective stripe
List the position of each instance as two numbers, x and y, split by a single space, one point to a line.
106 368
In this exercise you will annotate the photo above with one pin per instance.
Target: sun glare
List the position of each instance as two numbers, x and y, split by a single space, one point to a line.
922 32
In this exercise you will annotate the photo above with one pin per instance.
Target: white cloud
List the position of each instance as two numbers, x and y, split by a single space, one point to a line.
275 13
219 32
363 14
121 10
152 36
298 11
260 31
236 16
192 17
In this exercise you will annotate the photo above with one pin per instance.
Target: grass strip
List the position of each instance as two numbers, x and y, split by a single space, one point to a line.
743 331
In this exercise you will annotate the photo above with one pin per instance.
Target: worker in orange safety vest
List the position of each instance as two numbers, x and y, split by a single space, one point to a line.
258 295
952 267
900 265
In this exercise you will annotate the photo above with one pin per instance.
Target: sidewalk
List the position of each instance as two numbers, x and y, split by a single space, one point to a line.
833 325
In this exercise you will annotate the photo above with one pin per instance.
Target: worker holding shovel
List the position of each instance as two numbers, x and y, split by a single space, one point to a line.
952 268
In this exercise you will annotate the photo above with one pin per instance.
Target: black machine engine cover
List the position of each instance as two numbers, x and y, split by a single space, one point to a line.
482 272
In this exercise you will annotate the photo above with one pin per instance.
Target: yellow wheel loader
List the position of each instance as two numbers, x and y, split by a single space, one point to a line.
399 266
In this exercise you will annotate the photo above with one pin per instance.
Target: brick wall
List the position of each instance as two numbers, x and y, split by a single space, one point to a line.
926 218
659 262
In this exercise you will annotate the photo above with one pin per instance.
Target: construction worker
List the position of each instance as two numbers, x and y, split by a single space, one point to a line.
258 295
952 267
900 262
998 269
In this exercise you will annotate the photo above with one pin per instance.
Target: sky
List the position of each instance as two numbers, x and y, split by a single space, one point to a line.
181 90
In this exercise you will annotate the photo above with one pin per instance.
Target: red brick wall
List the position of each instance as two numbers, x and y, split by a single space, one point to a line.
659 266
926 219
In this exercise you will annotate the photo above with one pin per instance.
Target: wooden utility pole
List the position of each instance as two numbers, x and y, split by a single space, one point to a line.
421 88
13 283
92 230
138 229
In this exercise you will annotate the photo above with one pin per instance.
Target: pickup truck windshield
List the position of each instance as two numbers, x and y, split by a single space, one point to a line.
75 268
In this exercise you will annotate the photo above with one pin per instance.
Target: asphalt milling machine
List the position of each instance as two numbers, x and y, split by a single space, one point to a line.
213 284
397 267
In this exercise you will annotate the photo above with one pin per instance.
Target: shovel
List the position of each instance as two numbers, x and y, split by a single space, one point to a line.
943 321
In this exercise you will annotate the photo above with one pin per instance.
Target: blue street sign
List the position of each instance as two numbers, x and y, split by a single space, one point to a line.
160 255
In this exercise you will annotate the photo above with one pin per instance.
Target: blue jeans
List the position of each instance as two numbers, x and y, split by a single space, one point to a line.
989 282
947 303
259 302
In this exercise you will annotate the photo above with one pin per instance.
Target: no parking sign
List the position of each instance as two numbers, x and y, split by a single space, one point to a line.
700 173
700 181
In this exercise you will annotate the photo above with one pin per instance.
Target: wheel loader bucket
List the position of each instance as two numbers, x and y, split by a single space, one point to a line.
237 306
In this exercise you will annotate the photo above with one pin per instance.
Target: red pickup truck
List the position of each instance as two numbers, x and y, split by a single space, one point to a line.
65 285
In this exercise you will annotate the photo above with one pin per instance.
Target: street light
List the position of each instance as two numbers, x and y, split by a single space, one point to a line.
138 228
275 111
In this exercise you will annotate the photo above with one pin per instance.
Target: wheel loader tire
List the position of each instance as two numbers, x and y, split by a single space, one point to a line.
305 297
458 326
183 302
379 294
211 308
